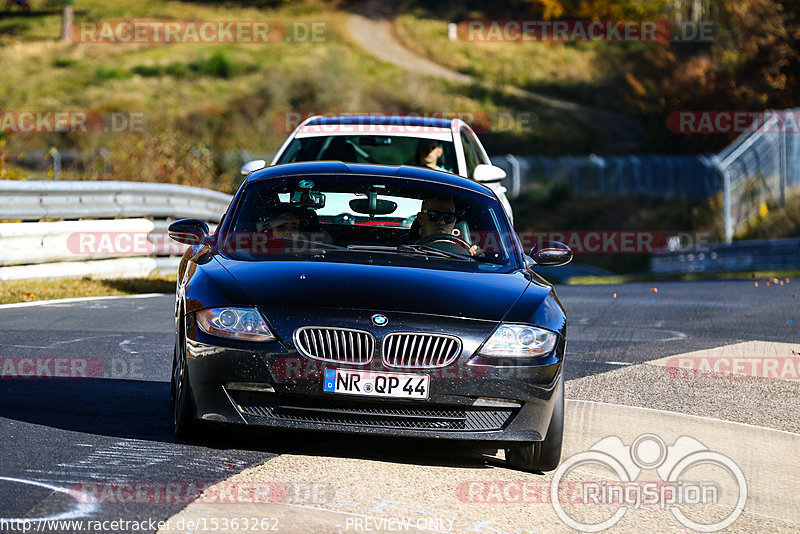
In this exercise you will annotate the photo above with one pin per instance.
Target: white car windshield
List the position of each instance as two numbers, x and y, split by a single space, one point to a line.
380 149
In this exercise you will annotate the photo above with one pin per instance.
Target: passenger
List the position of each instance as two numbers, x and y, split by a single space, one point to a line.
284 225
428 153
296 224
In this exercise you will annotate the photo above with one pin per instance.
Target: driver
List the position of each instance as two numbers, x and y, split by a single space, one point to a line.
438 216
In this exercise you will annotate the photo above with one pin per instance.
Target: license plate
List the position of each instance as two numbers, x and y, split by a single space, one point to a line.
376 384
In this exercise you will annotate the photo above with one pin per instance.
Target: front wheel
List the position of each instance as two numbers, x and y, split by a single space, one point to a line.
546 454
182 411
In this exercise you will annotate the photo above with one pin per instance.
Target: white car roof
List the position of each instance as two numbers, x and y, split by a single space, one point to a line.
395 130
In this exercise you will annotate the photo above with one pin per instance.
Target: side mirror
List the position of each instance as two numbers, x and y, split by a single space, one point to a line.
488 173
551 254
254 165
188 231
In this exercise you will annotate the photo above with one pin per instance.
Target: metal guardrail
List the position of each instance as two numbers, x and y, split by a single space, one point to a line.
776 254
100 243
30 243
37 200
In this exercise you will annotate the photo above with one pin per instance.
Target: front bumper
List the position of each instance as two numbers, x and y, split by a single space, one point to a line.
278 388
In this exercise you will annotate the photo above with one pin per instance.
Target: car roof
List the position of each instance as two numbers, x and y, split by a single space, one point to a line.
366 169
394 120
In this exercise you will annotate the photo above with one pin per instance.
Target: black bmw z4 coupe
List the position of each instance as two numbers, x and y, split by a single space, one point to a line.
371 299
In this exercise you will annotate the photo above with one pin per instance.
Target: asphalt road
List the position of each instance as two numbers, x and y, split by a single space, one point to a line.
116 427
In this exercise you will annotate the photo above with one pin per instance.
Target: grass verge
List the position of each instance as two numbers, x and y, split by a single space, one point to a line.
62 288
762 277
549 67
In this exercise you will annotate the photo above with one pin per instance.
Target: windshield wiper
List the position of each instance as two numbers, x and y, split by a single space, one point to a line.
428 250
419 250
424 249
372 248
326 245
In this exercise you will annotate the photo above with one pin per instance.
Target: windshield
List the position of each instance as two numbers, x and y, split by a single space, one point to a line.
393 220
381 149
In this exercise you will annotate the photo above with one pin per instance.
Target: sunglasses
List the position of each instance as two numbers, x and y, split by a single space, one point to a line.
434 216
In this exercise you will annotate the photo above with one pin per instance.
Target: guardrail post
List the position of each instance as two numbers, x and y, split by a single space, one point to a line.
782 159
56 156
727 218
106 155
452 31
727 221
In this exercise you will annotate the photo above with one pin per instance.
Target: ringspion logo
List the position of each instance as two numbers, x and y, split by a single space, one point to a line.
676 490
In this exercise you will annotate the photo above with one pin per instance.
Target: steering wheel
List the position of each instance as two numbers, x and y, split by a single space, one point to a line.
445 237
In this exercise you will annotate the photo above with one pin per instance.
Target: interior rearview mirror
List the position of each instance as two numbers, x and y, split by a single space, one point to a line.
365 206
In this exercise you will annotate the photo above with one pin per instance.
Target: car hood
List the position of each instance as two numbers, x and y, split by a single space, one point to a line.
311 284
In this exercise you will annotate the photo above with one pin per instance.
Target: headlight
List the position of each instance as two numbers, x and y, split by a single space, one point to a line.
518 340
236 323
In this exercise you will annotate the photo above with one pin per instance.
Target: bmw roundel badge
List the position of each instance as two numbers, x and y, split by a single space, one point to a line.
380 320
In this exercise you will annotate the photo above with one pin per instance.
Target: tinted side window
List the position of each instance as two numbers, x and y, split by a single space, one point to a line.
475 147
469 153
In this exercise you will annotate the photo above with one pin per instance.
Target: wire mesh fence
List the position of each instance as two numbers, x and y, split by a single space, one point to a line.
759 167
662 176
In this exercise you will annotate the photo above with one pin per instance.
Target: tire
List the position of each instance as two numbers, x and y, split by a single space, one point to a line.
542 455
185 425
